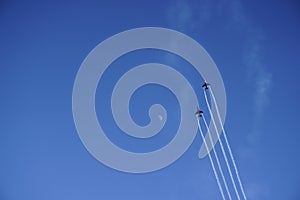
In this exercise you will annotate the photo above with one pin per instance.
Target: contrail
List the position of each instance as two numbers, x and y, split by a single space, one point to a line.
211 161
217 159
227 143
222 147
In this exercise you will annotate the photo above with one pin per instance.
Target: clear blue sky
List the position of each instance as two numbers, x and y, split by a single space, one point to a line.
255 45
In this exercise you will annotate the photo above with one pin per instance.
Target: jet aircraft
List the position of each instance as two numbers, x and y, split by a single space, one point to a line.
205 85
199 113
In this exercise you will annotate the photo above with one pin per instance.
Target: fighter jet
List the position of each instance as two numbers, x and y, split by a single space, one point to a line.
199 113
205 85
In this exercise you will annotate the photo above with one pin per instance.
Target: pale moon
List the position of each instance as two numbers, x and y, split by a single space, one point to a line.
160 117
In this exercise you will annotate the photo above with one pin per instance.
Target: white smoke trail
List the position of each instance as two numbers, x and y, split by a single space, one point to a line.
228 146
217 159
211 161
222 147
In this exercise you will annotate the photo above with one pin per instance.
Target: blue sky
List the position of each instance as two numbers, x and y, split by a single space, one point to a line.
255 45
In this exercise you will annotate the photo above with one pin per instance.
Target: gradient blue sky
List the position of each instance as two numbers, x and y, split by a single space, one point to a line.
255 45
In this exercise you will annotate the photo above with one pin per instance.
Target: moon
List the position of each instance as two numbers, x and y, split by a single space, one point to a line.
160 117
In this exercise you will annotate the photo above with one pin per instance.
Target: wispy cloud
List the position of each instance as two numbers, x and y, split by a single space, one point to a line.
258 191
186 16
183 15
257 71
258 75
264 84
261 80
179 15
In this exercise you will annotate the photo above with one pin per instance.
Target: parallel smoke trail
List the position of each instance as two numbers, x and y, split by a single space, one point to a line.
228 146
211 161
222 147
217 159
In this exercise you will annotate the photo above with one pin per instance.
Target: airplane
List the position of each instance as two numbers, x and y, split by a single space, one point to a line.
199 113
205 85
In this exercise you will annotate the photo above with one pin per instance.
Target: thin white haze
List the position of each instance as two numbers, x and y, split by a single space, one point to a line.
211 161
227 143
